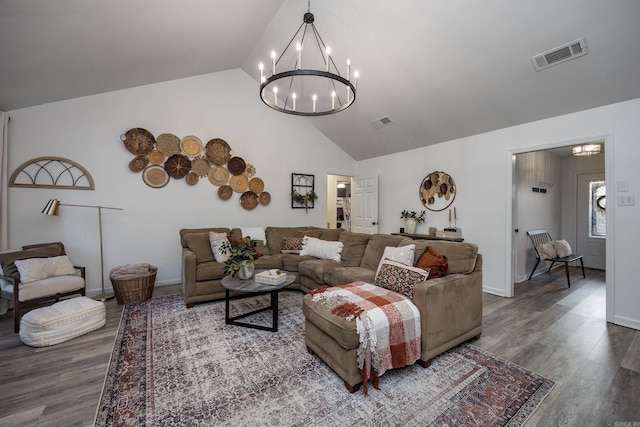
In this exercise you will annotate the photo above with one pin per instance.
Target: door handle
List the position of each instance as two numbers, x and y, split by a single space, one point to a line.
374 223
517 230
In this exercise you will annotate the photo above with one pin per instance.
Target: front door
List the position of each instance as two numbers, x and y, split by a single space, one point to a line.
590 227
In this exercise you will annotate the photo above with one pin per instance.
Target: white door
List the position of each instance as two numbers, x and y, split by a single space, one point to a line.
591 237
364 204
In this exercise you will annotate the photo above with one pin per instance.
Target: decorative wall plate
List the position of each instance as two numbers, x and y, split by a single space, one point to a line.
138 141
437 191
155 176
265 198
177 166
192 178
249 171
249 200
225 192
218 151
138 163
191 145
156 157
236 165
239 183
200 166
168 144
218 175
256 185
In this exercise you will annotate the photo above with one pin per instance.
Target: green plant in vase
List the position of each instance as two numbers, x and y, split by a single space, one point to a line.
411 219
242 254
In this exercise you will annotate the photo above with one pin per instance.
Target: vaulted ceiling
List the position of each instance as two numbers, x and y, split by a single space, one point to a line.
439 70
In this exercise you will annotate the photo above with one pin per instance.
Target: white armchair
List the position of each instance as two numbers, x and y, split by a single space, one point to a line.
47 277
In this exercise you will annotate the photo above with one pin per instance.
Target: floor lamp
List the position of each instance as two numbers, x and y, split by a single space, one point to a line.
52 208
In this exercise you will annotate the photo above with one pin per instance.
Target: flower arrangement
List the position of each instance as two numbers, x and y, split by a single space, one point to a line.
419 218
240 251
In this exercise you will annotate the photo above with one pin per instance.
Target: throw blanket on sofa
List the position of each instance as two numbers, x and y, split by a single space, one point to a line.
388 326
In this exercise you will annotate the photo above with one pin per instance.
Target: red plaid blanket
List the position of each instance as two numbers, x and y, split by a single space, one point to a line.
388 326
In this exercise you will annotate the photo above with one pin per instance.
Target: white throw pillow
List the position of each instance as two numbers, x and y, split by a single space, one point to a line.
562 248
33 269
256 233
322 249
402 254
547 251
217 240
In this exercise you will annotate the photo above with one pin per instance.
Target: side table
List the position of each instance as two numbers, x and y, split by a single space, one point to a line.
252 289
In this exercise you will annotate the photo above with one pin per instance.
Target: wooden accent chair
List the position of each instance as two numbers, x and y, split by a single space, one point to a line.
41 292
540 237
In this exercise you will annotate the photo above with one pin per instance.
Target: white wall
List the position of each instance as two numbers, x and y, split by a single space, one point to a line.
481 166
87 130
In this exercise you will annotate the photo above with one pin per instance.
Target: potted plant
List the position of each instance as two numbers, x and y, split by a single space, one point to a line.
242 254
411 219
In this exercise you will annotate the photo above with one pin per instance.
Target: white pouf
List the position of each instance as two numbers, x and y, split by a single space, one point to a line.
62 321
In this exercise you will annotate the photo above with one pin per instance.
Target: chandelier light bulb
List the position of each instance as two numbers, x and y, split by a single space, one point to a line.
294 97
261 67
333 99
273 61
328 50
315 98
275 96
299 49
348 69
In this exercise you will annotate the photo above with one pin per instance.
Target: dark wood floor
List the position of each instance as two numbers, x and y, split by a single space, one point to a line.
557 332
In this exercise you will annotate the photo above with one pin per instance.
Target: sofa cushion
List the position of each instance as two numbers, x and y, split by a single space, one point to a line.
461 255
291 262
200 245
401 254
375 248
275 236
315 269
331 234
322 249
399 277
342 275
7 259
217 240
354 246
209 271
267 262
437 264
337 327
33 269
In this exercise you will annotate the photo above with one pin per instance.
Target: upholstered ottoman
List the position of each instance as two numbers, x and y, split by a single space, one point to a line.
333 339
61 321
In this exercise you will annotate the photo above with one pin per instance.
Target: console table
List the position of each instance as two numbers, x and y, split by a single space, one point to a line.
428 237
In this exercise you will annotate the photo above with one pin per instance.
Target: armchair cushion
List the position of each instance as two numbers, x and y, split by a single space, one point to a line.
49 286
8 259
33 269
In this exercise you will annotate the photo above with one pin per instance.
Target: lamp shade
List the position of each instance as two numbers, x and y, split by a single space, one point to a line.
52 207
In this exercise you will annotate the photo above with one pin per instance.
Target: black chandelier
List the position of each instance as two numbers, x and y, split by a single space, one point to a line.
317 89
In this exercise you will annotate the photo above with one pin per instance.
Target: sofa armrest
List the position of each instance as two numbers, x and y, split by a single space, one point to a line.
188 272
81 270
450 310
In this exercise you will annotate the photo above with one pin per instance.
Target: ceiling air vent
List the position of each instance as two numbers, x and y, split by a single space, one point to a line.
560 54
381 122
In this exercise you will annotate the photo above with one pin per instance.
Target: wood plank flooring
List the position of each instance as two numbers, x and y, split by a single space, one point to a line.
557 332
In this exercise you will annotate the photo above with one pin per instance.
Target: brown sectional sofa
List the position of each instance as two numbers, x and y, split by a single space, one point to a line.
450 306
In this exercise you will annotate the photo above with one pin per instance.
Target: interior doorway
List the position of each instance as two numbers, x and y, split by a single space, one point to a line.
546 196
339 201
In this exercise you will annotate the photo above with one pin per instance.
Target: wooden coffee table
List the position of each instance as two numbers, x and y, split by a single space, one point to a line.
252 289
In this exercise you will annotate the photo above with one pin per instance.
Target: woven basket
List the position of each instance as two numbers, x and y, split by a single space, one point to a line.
136 289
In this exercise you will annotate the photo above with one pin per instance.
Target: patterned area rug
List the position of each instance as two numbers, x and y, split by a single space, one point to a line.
173 366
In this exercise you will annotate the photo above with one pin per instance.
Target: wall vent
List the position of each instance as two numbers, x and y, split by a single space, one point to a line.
381 122
560 54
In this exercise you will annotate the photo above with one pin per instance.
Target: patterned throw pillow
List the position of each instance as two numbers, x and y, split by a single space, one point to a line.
291 245
401 254
437 264
217 240
400 278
